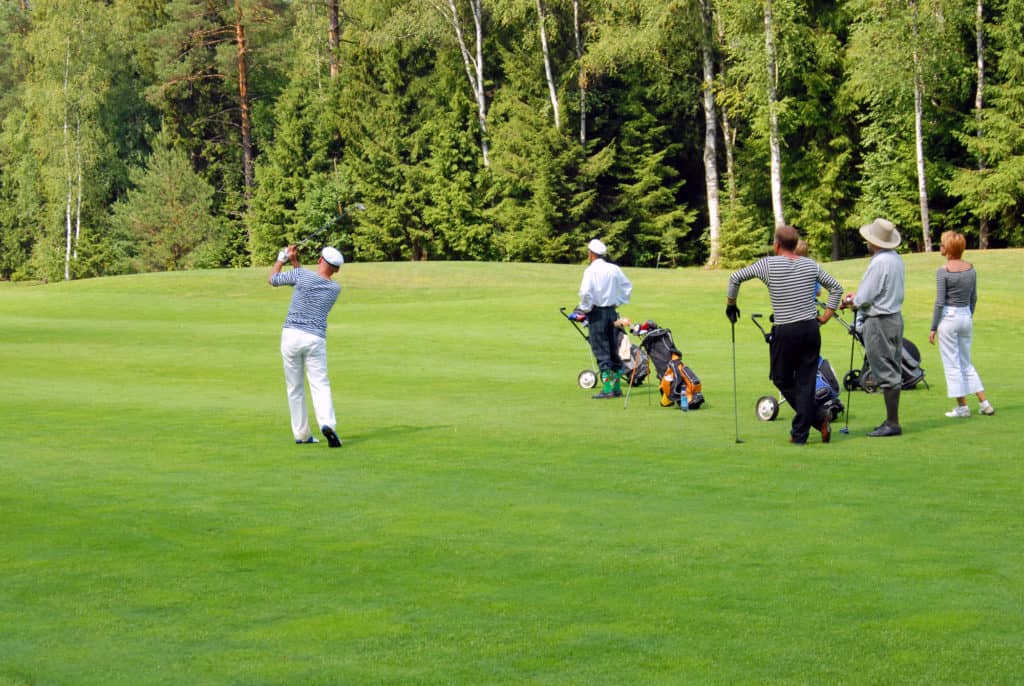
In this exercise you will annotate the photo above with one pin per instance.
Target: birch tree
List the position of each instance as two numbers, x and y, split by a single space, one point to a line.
577 35
552 88
775 151
918 82
710 133
471 48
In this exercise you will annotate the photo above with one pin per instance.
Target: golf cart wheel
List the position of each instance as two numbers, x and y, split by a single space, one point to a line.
767 408
851 380
587 379
868 382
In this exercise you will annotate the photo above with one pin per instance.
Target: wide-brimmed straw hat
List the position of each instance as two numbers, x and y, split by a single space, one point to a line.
882 233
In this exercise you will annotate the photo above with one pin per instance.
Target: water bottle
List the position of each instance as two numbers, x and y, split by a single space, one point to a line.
684 404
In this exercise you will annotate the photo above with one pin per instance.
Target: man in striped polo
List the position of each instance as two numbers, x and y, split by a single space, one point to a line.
796 341
304 340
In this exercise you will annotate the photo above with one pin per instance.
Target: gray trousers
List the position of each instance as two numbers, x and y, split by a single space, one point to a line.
883 346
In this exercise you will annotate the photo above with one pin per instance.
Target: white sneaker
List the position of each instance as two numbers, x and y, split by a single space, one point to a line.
986 409
959 411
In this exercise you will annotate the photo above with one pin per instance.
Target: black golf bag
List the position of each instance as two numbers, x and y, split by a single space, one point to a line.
675 378
911 373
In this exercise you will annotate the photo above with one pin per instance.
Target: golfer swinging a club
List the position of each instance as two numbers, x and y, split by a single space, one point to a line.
604 287
304 340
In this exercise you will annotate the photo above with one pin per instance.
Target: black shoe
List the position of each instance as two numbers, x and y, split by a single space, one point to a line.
886 430
605 395
617 393
794 441
331 436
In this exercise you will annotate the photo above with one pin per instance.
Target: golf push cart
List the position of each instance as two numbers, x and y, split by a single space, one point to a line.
635 362
826 387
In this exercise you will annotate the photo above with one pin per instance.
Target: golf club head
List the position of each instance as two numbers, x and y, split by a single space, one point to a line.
844 430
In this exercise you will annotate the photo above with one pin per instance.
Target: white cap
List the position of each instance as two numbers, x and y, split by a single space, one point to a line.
332 256
597 247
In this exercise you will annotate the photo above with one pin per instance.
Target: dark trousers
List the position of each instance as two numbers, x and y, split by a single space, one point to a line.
795 351
604 338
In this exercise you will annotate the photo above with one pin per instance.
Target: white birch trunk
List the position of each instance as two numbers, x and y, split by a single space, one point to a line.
578 36
773 116
552 91
79 185
67 164
710 139
922 184
473 61
979 102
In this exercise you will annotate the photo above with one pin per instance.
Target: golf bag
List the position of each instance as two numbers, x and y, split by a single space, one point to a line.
826 390
636 364
676 379
911 373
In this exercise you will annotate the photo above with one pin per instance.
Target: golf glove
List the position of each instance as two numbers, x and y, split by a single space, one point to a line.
732 312
282 256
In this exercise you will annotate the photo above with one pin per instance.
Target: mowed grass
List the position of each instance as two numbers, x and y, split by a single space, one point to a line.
486 521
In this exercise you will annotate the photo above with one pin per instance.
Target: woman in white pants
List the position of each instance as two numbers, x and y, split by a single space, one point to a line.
956 294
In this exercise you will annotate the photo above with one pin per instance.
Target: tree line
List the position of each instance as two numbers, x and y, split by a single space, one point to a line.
140 135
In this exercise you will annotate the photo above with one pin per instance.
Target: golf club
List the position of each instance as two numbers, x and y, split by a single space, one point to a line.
735 402
849 386
319 233
632 376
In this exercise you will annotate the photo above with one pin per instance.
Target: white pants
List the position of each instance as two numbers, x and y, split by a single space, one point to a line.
304 352
954 334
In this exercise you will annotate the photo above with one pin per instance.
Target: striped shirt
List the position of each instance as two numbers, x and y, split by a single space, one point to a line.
954 289
312 300
791 285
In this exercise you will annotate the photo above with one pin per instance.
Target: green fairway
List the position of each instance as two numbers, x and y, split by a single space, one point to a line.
487 522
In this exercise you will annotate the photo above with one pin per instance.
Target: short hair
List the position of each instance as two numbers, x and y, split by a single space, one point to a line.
954 243
787 237
802 249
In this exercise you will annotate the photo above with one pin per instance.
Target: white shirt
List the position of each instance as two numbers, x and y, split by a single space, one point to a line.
604 285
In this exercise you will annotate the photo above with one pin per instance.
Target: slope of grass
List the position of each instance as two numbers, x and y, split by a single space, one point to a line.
486 522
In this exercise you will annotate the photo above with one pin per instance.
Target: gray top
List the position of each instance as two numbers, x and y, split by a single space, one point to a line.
881 289
312 300
954 289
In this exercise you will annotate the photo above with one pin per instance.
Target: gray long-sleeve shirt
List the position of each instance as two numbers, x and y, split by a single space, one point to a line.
881 289
954 289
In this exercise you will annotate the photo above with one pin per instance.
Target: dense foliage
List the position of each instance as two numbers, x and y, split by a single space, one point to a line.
172 134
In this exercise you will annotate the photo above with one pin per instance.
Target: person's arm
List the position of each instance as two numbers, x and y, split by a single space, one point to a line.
586 297
290 254
835 294
625 288
940 301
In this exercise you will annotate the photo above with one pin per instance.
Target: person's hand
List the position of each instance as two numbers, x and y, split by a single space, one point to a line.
577 315
293 253
282 256
847 301
931 337
732 312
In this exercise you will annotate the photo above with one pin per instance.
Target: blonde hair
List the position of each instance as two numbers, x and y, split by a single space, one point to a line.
954 243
